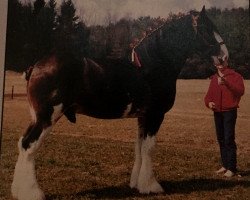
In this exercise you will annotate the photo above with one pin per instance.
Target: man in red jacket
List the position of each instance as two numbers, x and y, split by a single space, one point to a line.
223 97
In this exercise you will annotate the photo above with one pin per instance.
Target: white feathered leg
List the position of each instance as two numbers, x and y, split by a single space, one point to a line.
146 180
137 163
24 185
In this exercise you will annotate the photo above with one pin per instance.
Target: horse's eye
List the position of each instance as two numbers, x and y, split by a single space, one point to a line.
207 36
202 28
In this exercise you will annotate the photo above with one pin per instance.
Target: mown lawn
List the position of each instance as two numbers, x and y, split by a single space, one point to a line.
93 159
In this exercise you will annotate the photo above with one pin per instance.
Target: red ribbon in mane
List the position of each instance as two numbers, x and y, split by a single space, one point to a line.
135 59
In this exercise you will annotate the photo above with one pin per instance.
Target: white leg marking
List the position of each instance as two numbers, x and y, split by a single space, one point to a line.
53 94
127 111
223 46
146 181
24 185
33 114
137 163
57 113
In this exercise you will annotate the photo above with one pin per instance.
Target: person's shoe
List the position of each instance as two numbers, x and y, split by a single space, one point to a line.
221 170
229 174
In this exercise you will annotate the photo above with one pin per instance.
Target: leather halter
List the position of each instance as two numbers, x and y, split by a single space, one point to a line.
221 43
195 26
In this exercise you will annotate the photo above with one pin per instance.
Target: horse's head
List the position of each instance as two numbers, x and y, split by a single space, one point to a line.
208 41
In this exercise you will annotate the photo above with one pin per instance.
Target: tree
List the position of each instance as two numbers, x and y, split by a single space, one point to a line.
14 35
71 34
38 5
234 27
29 33
41 29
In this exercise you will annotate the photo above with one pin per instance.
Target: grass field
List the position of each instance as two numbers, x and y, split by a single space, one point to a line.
93 159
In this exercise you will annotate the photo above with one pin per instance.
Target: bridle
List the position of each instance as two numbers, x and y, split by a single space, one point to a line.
200 35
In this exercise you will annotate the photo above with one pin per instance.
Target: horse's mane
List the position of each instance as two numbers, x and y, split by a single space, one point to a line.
171 20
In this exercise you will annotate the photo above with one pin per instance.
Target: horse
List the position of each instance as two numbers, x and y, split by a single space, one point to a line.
60 85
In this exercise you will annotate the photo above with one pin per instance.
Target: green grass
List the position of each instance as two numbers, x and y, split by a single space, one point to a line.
93 159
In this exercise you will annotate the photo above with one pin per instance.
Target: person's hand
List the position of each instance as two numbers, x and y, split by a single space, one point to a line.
221 80
211 105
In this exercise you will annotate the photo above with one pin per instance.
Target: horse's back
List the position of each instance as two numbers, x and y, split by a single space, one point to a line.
105 90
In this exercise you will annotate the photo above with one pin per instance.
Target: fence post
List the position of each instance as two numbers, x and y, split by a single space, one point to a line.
12 92
3 22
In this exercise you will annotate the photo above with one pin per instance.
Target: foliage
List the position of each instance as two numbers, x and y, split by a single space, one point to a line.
15 26
71 35
234 28
35 30
93 159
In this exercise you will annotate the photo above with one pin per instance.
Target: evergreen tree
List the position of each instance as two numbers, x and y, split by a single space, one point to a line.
43 23
14 35
38 5
29 33
71 34
234 28
34 30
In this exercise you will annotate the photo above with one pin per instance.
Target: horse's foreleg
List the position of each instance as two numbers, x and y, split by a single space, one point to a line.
146 182
138 159
24 185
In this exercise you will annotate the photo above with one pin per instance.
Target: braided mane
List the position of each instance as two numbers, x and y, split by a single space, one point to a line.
171 19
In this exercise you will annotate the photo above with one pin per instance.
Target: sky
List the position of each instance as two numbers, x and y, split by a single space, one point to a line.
97 11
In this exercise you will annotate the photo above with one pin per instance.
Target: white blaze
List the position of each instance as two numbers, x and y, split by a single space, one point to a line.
222 46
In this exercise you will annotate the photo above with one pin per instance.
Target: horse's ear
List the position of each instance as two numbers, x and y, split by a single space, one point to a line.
203 11
195 16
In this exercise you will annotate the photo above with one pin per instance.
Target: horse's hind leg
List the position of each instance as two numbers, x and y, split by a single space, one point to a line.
24 185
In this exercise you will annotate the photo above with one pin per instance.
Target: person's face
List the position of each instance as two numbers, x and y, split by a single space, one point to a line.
219 66
225 63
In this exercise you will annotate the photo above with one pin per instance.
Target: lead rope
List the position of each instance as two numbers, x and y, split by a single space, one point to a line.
220 91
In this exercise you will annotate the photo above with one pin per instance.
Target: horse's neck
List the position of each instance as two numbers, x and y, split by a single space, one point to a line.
169 46
178 41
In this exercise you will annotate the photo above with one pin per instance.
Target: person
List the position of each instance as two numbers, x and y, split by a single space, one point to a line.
223 97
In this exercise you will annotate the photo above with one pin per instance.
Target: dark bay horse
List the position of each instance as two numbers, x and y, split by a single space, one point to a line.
62 85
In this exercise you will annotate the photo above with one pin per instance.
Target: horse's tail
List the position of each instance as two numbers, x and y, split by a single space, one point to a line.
27 73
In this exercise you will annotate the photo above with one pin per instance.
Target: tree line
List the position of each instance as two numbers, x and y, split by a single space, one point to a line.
34 30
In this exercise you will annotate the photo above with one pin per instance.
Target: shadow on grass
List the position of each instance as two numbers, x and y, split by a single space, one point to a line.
112 192
245 173
171 187
192 185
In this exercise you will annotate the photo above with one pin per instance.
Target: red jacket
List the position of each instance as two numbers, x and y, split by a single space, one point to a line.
226 97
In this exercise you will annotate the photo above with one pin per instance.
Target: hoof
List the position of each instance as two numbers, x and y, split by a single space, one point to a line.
153 187
14 191
32 194
133 185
